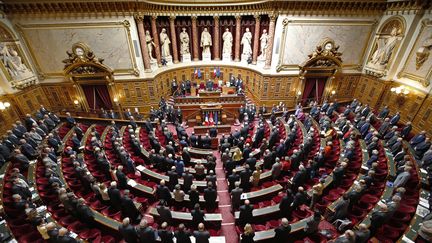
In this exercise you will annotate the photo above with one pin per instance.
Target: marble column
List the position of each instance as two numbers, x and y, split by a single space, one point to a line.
270 43
156 40
174 39
237 39
216 44
256 39
141 33
195 38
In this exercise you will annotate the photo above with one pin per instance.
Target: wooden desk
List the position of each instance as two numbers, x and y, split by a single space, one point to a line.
202 130
183 216
411 232
269 234
158 177
265 211
256 195
200 153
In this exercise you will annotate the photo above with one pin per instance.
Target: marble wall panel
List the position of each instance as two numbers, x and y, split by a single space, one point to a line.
302 37
48 44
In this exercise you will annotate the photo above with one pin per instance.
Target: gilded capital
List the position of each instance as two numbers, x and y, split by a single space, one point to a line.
194 17
257 17
216 17
172 18
139 17
154 17
238 17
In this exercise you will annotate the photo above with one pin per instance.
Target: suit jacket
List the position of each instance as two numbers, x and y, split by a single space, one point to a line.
378 218
182 237
129 233
201 236
246 215
162 192
282 233
197 216
164 214
66 239
165 235
114 195
362 236
401 179
146 235
129 209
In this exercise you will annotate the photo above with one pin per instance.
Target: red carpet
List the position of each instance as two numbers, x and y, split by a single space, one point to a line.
228 220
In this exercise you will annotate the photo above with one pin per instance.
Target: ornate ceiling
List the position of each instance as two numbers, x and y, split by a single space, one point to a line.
208 7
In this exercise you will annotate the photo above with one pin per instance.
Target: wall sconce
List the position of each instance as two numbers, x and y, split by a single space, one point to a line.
4 105
333 92
400 91
76 102
116 100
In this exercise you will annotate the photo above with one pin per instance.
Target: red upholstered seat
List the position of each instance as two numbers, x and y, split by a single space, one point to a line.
33 237
89 234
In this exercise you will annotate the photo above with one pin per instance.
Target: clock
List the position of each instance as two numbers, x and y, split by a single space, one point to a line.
328 46
79 51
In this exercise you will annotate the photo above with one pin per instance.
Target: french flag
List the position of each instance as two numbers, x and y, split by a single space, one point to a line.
214 72
196 73
206 120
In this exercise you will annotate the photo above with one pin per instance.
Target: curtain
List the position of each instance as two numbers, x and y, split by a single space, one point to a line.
321 85
97 96
308 90
90 95
103 94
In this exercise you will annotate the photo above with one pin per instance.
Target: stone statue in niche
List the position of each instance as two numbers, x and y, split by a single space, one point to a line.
227 42
386 44
165 42
184 42
263 45
206 41
422 53
14 64
150 44
246 42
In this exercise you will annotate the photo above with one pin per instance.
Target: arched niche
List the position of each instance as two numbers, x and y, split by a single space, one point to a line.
385 46
317 73
92 79
13 63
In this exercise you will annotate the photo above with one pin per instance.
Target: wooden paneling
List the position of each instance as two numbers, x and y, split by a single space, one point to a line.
369 90
60 96
8 116
345 86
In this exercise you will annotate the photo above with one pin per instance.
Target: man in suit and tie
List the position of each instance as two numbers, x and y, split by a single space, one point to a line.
201 235
402 178
246 215
397 146
115 196
127 114
70 120
129 209
164 212
384 113
29 121
378 218
28 150
210 196
285 204
236 196
282 232
128 232
395 119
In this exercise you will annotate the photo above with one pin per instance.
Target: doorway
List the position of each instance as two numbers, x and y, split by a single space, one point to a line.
97 96
313 89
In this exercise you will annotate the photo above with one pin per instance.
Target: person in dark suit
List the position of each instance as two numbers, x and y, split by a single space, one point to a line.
246 216
197 215
145 233
129 209
84 213
114 195
236 196
201 235
378 218
210 196
362 234
312 224
406 130
285 204
213 132
395 119
165 234
299 199
181 235
341 208
63 237
338 174
128 232
282 232
165 215
162 192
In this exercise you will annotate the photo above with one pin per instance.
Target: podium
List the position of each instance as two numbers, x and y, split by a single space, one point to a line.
212 113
